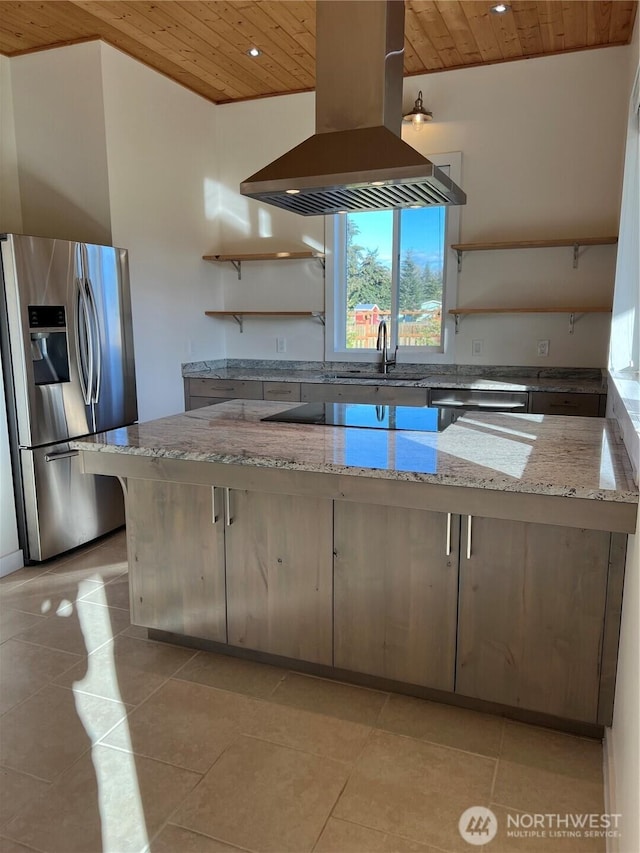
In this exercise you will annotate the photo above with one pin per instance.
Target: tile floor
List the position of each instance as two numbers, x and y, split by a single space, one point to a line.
111 742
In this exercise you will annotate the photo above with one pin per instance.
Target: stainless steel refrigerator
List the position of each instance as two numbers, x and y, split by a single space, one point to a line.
67 359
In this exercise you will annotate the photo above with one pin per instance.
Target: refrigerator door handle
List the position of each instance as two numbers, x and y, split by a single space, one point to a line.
95 340
63 454
84 343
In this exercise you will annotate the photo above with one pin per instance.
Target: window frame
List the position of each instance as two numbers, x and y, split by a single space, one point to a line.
335 286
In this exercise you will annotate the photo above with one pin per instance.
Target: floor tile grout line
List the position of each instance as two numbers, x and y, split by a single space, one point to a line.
335 803
192 791
263 739
427 845
21 843
498 760
342 790
19 639
382 709
38 690
84 654
124 751
252 736
509 721
276 686
201 834
24 773
439 744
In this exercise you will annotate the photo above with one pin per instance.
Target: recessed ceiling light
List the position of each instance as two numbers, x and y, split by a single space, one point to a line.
500 8
377 183
253 51
292 192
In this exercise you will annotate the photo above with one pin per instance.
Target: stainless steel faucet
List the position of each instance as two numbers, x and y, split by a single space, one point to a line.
382 346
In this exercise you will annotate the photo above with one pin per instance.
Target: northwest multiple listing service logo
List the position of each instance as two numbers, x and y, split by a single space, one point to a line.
479 825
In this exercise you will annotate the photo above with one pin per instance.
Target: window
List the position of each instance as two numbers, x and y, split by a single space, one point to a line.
392 265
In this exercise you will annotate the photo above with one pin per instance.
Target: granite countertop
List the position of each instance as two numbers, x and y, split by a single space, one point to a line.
561 380
534 454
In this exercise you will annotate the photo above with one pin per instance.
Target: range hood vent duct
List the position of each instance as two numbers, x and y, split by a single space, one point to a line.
356 160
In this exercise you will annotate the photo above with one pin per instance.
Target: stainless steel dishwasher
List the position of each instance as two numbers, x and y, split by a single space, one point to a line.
457 401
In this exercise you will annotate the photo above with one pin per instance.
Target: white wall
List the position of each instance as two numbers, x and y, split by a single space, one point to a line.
250 135
11 557
163 191
10 210
60 138
158 169
10 220
622 740
542 143
533 168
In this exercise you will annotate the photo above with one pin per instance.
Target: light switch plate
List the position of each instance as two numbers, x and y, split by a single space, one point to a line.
543 349
476 347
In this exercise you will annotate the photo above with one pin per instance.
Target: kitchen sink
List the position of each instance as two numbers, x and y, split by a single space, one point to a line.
362 374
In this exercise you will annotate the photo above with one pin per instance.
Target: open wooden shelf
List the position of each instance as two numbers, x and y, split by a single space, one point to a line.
574 242
237 259
460 312
239 316
584 310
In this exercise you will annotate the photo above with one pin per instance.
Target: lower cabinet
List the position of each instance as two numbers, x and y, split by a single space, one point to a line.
531 616
279 574
176 559
552 403
396 591
515 613
390 395
248 568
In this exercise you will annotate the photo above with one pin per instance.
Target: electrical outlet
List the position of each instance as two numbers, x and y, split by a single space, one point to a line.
476 347
281 344
543 349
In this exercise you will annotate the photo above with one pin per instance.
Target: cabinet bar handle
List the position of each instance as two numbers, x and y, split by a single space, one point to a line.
63 454
215 518
448 551
227 507
469 517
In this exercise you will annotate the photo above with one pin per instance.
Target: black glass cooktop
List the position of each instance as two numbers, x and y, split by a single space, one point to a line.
367 415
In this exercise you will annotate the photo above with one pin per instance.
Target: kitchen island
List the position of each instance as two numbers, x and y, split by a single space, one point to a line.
481 564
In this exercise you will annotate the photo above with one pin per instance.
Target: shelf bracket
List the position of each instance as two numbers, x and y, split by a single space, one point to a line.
239 320
459 254
237 265
322 264
572 319
456 318
576 247
319 315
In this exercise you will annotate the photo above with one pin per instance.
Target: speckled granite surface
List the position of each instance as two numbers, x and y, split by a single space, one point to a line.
562 380
534 454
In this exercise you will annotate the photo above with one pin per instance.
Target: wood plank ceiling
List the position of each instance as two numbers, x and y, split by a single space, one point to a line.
203 45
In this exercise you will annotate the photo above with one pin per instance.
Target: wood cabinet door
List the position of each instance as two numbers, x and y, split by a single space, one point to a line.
231 389
176 552
279 574
532 605
396 593
553 403
378 394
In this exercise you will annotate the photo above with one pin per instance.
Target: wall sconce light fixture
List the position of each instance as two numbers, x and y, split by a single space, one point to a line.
418 115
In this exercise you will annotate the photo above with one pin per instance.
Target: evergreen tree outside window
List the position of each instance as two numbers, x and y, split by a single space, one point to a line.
395 264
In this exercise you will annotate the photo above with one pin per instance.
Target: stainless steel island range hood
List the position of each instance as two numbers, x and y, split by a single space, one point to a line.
356 160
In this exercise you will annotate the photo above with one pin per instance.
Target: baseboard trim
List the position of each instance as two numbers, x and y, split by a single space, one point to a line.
609 774
11 562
